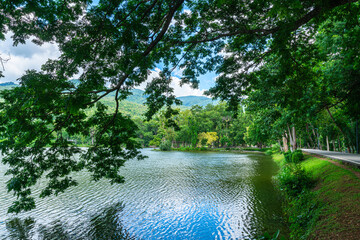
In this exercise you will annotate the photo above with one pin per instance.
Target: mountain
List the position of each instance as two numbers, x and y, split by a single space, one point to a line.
8 84
139 98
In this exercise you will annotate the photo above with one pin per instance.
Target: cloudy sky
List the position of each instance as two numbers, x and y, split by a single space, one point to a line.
31 56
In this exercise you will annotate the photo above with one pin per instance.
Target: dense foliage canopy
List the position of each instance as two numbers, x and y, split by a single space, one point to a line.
292 58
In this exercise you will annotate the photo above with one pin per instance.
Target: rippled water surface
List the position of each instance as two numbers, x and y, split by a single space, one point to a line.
170 195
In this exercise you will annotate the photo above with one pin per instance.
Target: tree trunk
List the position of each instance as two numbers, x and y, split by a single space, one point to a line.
327 143
309 136
285 142
341 130
357 136
294 138
333 142
92 137
291 139
316 138
281 148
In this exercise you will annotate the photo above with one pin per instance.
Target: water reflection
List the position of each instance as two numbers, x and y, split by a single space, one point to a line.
55 230
108 226
20 229
105 225
170 195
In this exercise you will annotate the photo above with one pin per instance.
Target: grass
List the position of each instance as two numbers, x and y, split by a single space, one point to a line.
339 190
332 208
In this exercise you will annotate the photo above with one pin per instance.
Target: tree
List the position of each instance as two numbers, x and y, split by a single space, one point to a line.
207 138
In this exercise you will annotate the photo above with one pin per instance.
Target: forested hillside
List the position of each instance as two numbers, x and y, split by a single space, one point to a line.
134 103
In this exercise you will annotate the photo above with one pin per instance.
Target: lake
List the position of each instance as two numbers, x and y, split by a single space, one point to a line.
170 195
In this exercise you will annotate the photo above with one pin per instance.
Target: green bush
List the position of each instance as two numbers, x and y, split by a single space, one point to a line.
201 149
165 146
269 152
185 148
293 180
189 149
275 148
297 156
287 156
294 157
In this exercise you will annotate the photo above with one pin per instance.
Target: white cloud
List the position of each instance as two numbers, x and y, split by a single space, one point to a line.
24 57
184 90
188 11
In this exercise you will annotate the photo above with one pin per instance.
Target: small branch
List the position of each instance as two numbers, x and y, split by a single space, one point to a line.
115 113
325 105
183 56
3 60
59 125
133 10
152 35
296 62
147 11
259 60
100 97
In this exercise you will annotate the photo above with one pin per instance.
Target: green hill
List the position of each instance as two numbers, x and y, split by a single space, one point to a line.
133 105
188 101
137 96
7 85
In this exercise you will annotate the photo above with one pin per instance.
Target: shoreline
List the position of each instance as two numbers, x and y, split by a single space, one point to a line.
235 150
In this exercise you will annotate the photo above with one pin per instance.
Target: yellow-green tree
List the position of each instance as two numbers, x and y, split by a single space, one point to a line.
207 138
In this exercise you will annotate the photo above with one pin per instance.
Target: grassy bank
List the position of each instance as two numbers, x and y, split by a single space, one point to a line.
322 199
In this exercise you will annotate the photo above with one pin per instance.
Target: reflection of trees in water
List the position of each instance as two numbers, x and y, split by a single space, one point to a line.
55 230
106 225
25 230
20 229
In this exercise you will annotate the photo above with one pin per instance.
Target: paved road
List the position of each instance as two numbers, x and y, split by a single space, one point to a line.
345 157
